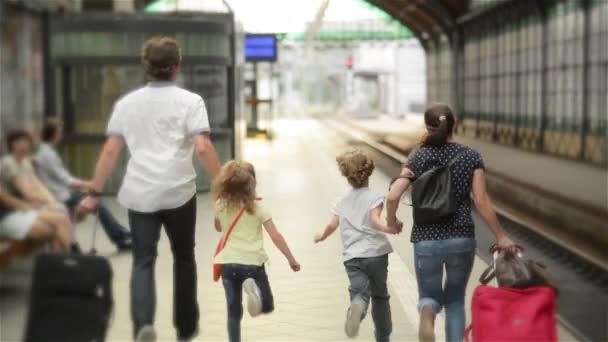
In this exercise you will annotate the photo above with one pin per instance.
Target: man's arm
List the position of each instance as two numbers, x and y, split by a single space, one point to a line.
107 159
109 154
207 154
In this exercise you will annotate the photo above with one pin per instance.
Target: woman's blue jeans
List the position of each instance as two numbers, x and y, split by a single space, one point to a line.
456 256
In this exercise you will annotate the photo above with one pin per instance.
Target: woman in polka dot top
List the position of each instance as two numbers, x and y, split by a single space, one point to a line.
449 244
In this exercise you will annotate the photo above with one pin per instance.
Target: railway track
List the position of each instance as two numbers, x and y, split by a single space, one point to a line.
582 280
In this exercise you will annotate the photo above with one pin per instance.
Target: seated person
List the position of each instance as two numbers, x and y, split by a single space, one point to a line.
20 221
17 174
68 189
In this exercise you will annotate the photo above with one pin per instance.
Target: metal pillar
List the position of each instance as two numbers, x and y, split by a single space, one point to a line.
254 97
231 98
544 79
585 6
457 64
47 69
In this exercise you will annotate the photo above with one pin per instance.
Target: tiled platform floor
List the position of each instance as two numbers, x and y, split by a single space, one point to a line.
299 182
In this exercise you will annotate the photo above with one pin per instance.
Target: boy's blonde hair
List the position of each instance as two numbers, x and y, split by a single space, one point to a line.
356 167
235 186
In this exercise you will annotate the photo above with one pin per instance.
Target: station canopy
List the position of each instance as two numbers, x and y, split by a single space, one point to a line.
342 20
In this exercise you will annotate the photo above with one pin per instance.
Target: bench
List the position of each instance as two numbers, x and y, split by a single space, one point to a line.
10 249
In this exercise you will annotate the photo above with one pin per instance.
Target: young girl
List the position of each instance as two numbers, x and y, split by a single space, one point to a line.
366 248
243 257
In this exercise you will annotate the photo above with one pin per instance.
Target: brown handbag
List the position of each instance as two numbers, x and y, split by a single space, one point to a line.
511 270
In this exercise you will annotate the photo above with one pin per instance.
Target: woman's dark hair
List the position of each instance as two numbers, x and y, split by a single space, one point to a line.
439 121
160 56
49 130
16 135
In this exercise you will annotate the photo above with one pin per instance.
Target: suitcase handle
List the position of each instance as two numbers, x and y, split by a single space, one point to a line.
93 250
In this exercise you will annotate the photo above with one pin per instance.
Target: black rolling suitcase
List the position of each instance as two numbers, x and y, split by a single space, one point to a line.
71 298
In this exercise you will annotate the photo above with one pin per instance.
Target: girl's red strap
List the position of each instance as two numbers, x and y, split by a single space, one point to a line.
234 222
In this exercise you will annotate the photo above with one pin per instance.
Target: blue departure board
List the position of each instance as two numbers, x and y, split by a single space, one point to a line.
260 47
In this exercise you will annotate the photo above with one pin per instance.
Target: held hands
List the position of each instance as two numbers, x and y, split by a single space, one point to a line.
395 228
394 225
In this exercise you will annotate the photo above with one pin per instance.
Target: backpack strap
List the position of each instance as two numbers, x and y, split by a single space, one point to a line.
458 155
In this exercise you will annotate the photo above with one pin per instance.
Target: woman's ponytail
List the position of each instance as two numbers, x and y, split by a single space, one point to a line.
439 121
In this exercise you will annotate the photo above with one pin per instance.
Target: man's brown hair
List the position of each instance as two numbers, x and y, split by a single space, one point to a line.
160 57
50 128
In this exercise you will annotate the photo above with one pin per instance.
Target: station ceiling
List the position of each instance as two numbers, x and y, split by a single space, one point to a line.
425 18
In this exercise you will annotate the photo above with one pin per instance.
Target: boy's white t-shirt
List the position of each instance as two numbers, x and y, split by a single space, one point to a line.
359 238
157 123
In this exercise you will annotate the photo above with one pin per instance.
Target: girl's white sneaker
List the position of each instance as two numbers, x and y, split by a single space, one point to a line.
254 299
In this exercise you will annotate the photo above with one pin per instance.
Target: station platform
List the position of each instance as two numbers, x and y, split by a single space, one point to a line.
571 179
299 182
564 200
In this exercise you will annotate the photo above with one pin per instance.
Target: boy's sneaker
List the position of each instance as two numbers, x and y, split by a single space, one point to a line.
354 315
426 330
146 334
254 299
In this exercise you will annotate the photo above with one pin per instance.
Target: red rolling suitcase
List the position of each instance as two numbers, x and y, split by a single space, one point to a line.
522 309
511 315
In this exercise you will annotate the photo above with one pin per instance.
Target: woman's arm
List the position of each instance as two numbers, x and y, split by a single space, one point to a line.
12 202
377 224
392 199
279 241
44 191
32 189
486 211
329 229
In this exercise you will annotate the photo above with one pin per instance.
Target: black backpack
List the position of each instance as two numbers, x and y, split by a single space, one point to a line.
433 198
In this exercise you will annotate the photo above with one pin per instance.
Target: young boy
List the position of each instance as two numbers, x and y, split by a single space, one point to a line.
366 247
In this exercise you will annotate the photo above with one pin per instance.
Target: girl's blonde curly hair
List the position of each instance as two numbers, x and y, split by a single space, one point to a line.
356 167
234 187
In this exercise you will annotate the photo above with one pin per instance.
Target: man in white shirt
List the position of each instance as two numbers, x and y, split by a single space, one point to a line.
162 125
68 189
